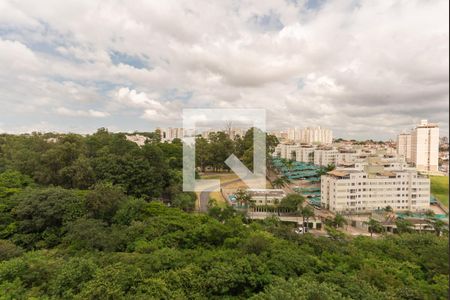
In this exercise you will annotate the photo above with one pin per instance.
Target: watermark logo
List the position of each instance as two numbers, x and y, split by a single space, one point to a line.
255 179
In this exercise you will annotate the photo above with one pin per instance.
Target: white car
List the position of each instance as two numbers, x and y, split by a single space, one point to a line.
299 230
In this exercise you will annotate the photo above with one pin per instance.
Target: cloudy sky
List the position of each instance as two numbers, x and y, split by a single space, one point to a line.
366 69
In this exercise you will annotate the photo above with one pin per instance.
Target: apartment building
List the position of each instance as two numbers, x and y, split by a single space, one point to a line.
311 135
404 146
316 135
325 156
305 154
373 187
287 151
425 147
169 134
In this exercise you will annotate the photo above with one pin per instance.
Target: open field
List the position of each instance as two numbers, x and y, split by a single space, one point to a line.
439 188
228 181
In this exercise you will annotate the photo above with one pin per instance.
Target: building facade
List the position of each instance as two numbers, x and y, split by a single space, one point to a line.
361 191
169 134
404 146
311 135
325 157
425 147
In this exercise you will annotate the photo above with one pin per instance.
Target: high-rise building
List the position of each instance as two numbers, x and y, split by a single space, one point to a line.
316 135
311 135
404 146
425 146
169 134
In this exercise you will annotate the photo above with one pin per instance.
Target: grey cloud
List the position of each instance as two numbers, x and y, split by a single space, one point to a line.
378 62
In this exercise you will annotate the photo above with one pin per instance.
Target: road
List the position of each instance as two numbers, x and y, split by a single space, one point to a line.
204 198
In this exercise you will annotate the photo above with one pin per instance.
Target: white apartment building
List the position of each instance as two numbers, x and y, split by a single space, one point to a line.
305 154
425 146
325 157
169 134
287 151
374 188
311 135
345 155
404 146
316 135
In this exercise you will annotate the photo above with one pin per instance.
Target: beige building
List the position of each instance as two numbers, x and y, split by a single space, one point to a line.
305 154
263 197
425 147
169 134
404 146
325 156
287 151
311 135
375 187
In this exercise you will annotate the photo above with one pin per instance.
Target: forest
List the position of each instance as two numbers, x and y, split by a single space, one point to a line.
98 217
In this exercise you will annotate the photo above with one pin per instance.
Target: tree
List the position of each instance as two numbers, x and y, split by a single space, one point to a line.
307 212
339 221
330 167
374 226
104 200
91 234
292 202
281 182
403 225
334 233
439 226
430 213
202 153
14 180
9 250
79 174
278 183
185 201
243 197
42 209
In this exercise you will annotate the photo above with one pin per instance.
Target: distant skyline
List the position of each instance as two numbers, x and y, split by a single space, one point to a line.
365 69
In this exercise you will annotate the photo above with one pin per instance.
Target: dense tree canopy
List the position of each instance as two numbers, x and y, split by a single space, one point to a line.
81 219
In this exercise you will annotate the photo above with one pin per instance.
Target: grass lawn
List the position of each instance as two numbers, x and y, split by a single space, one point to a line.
439 188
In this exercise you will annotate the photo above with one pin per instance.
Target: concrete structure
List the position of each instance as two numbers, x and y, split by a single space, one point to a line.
425 147
404 146
263 197
375 186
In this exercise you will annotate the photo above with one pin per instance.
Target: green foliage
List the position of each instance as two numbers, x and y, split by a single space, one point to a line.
9 250
300 289
439 188
103 201
92 227
185 201
292 202
40 215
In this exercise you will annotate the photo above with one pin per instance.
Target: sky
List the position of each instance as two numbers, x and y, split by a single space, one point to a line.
366 69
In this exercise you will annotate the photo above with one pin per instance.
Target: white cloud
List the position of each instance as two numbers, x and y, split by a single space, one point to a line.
347 65
81 113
